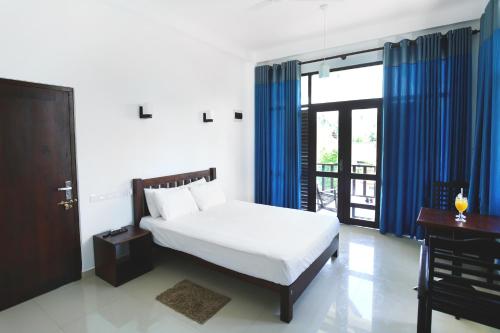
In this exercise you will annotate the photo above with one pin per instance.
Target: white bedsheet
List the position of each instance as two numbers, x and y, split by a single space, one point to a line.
271 243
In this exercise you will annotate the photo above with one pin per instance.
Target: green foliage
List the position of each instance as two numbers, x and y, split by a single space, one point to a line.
329 157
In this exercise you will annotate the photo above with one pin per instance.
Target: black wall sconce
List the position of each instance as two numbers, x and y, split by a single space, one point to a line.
143 115
238 115
207 117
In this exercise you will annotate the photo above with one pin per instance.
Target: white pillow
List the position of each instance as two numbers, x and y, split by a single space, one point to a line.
196 183
208 195
148 192
153 210
175 202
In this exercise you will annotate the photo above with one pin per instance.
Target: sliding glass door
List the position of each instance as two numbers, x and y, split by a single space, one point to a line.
341 153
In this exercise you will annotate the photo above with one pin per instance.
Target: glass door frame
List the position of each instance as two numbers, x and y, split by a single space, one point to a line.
344 174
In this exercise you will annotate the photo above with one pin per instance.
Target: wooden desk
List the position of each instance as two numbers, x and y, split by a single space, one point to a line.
442 222
461 268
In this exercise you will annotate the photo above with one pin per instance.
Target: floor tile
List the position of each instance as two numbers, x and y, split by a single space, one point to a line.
74 300
26 317
129 314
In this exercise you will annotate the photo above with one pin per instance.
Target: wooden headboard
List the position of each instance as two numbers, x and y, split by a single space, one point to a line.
138 186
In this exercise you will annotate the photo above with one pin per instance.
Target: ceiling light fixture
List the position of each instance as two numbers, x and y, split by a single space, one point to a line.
324 68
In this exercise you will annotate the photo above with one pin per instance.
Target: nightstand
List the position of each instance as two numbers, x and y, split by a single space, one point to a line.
123 257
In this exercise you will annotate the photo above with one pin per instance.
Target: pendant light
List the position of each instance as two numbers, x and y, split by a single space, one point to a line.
324 68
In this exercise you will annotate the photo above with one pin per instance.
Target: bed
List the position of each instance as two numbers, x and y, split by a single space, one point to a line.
259 244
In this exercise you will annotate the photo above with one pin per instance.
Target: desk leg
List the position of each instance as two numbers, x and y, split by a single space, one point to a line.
424 320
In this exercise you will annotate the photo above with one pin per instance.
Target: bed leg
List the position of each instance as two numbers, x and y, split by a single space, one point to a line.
286 304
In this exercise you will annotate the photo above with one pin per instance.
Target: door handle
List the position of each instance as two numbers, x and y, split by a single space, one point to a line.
68 188
341 166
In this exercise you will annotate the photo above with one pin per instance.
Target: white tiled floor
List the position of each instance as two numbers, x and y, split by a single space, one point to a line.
367 289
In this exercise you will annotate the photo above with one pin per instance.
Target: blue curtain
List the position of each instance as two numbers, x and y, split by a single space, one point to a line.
484 191
277 134
426 124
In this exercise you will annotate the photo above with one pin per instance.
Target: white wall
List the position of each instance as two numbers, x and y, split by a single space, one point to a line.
115 59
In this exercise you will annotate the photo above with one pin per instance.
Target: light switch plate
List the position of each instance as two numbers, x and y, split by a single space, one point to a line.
109 196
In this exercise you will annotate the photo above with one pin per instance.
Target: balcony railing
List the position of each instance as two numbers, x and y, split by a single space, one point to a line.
360 169
327 190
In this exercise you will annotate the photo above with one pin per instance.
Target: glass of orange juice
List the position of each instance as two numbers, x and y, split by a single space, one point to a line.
461 204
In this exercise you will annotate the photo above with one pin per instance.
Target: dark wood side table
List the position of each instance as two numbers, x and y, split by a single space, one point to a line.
123 257
442 222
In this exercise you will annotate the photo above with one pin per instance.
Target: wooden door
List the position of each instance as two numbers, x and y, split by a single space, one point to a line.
39 236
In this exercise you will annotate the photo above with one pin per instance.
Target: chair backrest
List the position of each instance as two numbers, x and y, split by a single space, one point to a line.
444 193
464 278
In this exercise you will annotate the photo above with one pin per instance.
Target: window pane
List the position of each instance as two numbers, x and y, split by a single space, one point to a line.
304 90
327 194
364 141
363 192
347 85
363 214
327 141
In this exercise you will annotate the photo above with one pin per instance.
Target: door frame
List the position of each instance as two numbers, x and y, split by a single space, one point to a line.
344 174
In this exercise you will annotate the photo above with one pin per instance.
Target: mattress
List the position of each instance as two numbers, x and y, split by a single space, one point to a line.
270 243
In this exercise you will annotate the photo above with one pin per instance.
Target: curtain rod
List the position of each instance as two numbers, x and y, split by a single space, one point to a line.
345 55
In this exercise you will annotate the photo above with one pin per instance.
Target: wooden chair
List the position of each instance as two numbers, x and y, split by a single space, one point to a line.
325 198
444 193
454 279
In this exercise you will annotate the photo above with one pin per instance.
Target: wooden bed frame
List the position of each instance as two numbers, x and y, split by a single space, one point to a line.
288 294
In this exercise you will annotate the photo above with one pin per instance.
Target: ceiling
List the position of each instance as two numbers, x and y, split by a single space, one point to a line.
251 29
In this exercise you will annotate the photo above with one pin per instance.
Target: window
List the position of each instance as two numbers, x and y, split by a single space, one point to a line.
344 85
304 96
